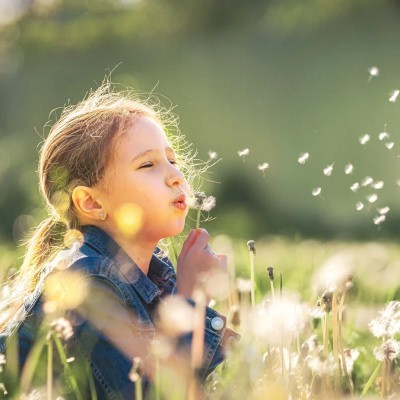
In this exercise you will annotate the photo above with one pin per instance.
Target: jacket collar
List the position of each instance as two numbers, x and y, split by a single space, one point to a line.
101 242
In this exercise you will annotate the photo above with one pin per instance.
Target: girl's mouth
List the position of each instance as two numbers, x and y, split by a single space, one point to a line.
180 202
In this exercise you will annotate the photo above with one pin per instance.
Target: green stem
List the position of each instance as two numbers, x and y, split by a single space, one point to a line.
67 368
253 300
138 389
272 290
198 218
158 377
92 387
371 380
50 366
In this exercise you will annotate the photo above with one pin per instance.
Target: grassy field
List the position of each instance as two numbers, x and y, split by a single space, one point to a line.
314 313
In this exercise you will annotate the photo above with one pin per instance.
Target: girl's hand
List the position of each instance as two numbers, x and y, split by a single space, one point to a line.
197 261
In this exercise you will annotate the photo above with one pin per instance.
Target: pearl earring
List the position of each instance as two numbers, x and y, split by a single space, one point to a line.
102 215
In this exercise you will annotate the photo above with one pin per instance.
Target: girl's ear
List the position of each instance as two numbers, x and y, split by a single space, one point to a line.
87 203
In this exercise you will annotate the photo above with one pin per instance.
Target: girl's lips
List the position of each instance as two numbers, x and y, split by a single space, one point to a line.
180 202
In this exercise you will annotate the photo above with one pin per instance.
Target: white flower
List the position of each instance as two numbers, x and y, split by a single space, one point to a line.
394 95
348 169
303 158
364 139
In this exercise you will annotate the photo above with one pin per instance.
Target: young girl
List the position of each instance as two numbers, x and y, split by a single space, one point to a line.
115 187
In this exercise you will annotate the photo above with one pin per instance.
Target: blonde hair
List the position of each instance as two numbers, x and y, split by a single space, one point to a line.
74 153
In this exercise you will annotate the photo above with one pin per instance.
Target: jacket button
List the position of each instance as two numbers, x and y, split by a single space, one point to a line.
217 323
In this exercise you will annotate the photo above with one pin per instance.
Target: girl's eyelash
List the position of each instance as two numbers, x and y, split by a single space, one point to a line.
150 164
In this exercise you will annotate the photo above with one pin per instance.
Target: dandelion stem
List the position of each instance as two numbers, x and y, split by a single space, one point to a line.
326 334
383 379
252 293
157 376
138 389
198 218
272 290
50 366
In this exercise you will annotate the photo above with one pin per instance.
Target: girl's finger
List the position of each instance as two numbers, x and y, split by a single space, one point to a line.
202 238
188 242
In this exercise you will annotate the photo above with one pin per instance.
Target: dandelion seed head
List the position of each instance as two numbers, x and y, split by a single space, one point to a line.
388 350
389 145
321 365
383 135
359 206
351 356
372 198
378 185
364 139
175 316
251 245
348 169
244 285
316 191
373 71
388 321
366 181
354 187
244 152
334 272
394 95
62 328
328 170
200 201
303 158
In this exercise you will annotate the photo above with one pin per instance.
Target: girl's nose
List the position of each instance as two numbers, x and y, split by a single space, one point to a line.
175 177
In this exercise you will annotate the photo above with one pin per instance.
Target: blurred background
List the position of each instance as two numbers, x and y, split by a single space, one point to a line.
279 77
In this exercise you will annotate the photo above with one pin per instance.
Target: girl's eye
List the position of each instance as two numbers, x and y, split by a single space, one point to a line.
146 165
173 162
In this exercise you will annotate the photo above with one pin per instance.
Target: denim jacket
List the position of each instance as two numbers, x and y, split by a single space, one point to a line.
111 273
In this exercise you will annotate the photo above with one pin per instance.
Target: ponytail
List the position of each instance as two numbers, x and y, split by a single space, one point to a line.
42 247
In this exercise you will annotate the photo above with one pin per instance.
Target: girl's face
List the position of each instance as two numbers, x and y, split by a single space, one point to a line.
142 175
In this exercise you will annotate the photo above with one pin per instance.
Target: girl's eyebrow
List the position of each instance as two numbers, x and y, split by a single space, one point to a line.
149 151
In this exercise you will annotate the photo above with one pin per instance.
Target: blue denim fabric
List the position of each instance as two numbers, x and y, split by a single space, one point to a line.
111 273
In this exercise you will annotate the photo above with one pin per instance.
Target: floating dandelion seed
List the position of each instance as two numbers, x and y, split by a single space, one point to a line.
263 167
373 72
389 145
328 170
359 206
383 135
383 210
364 139
366 181
378 185
348 169
303 158
372 197
394 95
354 187
212 155
379 219
243 153
316 192
398 182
